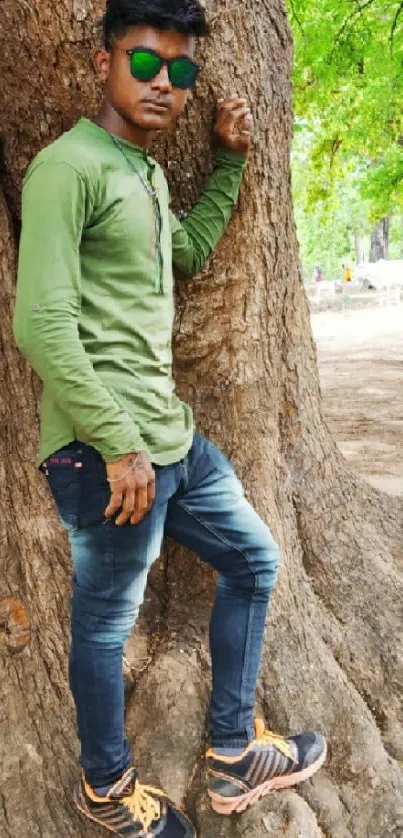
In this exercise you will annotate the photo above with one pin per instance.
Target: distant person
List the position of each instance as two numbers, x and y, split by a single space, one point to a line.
317 275
347 273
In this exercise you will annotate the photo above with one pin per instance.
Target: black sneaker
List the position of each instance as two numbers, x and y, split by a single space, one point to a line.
132 810
267 764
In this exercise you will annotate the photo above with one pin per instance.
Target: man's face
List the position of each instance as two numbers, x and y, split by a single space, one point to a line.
153 105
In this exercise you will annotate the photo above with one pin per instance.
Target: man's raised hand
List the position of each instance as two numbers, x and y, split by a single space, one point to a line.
233 127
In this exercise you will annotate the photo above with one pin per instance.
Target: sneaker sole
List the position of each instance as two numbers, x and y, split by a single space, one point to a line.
76 798
229 805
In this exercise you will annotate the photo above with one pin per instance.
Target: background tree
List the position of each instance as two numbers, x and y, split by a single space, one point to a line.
332 223
348 91
246 361
380 240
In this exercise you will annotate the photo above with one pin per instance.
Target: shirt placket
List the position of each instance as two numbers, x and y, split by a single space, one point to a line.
156 231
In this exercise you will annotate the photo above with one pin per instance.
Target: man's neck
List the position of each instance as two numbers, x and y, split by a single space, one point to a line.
109 119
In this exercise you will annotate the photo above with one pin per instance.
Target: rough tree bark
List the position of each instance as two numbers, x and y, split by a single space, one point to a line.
380 240
245 359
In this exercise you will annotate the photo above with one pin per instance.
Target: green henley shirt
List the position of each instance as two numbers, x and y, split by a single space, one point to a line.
95 304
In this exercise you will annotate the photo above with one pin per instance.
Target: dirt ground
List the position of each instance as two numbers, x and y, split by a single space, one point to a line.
361 368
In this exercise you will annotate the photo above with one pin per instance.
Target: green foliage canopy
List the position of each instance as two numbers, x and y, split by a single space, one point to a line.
348 83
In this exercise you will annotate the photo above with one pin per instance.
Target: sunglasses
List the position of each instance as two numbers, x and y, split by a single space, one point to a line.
145 65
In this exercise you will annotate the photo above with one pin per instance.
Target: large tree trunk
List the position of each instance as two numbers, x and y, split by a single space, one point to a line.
245 360
380 240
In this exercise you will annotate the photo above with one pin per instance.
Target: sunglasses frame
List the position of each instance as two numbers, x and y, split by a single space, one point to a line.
165 62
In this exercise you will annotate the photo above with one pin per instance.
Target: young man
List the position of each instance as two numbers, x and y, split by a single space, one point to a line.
94 317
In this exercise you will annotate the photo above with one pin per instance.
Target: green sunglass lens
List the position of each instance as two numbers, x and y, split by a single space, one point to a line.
183 73
144 65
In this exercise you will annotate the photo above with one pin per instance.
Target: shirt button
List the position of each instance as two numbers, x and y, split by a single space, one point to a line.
36 308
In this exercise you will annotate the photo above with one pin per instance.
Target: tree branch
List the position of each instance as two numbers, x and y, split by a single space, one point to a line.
394 25
296 18
357 13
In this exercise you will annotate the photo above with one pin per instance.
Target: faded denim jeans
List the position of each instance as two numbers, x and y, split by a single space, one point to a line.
200 503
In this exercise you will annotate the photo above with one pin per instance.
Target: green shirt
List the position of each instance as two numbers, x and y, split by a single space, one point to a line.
95 305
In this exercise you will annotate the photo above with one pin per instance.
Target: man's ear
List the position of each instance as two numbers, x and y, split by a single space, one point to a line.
102 60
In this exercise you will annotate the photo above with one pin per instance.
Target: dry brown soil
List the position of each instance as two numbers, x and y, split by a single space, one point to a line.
361 368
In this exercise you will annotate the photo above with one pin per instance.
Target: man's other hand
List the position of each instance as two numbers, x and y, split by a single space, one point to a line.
233 128
132 488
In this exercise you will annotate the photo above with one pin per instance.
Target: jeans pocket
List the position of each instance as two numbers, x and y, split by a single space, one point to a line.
66 494
62 474
61 470
95 490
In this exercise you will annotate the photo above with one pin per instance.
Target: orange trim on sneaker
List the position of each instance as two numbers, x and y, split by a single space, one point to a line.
91 794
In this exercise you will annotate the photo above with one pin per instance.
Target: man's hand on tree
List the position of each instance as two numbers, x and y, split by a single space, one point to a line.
234 124
132 482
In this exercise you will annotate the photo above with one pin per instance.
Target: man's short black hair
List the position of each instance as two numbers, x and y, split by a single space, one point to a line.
186 16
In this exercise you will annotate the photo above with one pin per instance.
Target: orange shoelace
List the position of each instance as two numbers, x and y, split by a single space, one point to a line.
143 805
267 737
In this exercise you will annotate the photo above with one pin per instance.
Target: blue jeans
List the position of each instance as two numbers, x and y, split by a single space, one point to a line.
200 503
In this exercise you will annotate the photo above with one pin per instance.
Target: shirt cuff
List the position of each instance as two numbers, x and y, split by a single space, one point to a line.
233 159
